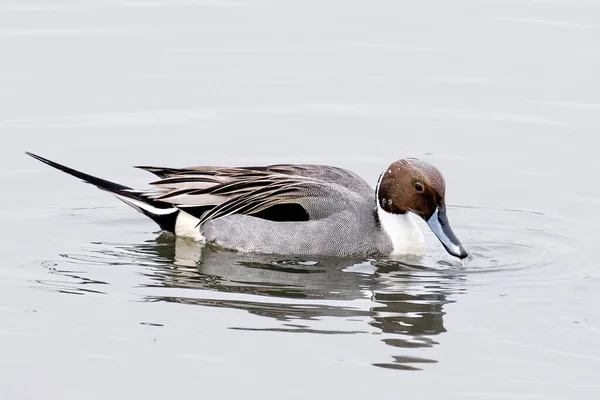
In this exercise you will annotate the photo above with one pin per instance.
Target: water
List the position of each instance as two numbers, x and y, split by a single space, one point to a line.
502 96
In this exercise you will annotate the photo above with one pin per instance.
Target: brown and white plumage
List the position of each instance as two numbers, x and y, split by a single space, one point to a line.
287 209
301 192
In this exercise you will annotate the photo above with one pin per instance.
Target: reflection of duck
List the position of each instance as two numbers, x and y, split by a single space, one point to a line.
295 209
402 301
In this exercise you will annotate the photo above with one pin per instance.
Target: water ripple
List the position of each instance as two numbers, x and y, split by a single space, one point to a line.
400 300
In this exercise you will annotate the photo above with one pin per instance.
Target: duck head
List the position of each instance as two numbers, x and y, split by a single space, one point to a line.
412 185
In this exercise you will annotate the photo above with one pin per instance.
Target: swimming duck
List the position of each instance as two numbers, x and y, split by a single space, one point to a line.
294 209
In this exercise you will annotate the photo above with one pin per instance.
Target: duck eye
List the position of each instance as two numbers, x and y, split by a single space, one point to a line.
419 187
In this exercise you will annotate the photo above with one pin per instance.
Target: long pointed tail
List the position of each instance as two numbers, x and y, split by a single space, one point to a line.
164 214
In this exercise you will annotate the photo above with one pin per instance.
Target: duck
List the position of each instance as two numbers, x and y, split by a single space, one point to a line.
301 209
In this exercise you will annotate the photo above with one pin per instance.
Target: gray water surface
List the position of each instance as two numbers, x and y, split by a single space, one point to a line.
502 96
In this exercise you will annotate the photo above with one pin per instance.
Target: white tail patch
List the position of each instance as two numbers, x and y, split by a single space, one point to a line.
187 226
140 205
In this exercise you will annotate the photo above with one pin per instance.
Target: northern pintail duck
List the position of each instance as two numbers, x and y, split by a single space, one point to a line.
294 209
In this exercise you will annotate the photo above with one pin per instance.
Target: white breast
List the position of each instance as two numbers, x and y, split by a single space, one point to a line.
406 236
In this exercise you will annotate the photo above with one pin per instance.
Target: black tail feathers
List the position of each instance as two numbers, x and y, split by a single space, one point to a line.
164 214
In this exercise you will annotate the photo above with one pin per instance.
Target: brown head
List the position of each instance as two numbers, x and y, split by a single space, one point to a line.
412 185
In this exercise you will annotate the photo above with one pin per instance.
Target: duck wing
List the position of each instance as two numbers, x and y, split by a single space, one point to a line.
282 192
324 173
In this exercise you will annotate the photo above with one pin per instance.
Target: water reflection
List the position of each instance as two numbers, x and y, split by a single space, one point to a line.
399 300
399 303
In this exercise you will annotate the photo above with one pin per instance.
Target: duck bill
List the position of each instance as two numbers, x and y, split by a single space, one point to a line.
440 226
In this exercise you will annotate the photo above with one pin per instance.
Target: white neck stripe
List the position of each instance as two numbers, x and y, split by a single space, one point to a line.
406 237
